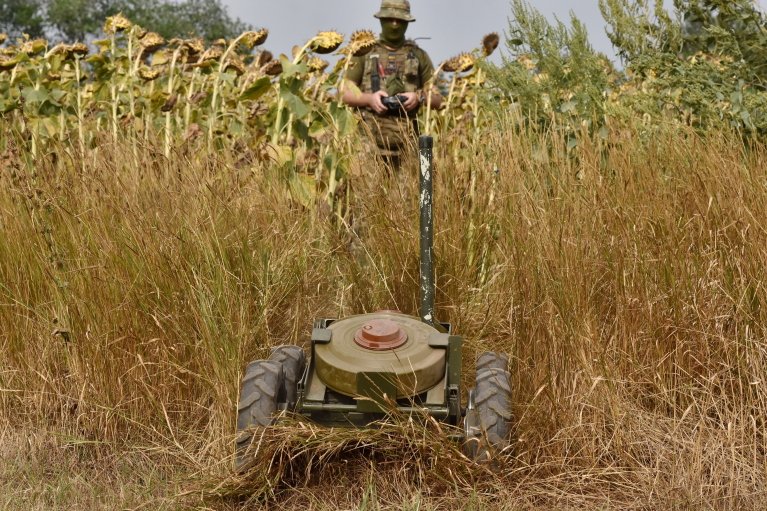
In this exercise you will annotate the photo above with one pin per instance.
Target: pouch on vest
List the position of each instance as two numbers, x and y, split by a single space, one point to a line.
411 70
394 85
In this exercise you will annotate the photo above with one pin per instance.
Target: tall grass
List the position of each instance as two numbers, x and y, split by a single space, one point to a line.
625 280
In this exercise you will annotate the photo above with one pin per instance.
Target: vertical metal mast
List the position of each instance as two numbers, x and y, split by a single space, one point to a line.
425 146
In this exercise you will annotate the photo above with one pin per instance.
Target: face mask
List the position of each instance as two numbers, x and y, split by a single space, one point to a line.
393 32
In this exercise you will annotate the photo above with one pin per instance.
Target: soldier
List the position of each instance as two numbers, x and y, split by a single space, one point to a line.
395 68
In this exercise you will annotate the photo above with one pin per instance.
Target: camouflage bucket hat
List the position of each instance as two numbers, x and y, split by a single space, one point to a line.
397 9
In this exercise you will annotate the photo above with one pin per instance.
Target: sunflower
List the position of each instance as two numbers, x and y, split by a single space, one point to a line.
148 74
458 64
102 44
79 49
170 103
262 58
151 41
211 54
360 43
466 61
194 46
68 51
117 23
7 63
450 65
33 46
273 68
490 43
317 65
3 37
326 42
234 62
255 38
162 57
59 49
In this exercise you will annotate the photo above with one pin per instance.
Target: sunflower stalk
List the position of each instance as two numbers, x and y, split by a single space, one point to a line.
475 124
79 105
318 90
129 84
451 94
35 132
475 106
14 73
429 93
113 84
277 129
169 113
289 135
189 95
323 42
461 95
332 186
217 83
62 125
342 75
148 118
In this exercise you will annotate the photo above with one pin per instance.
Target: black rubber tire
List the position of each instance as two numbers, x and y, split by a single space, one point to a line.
492 406
492 397
293 361
259 393
492 360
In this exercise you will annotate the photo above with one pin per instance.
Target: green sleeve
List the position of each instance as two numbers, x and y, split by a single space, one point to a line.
356 69
425 68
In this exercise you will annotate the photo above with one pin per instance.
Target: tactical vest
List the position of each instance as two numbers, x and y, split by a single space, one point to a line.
399 71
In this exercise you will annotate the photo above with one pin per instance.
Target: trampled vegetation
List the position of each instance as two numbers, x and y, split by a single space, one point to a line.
166 218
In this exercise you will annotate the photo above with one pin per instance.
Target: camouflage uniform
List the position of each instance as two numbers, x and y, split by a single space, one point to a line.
406 69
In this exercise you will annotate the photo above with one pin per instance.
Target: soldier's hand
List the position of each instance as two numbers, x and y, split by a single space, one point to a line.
375 102
412 101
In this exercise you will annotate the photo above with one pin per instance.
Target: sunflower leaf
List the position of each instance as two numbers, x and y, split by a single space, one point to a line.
258 89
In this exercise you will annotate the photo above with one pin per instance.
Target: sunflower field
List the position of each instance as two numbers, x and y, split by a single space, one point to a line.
231 95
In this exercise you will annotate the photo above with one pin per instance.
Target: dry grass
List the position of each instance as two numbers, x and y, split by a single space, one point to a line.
626 283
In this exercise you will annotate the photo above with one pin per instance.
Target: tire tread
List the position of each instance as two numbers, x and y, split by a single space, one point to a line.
492 401
293 360
257 406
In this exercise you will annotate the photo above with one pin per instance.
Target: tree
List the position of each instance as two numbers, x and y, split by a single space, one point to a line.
735 30
639 26
731 28
553 70
21 17
75 20
707 65
208 19
79 20
201 18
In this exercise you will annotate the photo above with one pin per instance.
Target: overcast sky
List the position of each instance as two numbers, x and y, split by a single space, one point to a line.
452 26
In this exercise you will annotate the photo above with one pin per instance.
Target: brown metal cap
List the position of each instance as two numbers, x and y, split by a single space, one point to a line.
380 335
